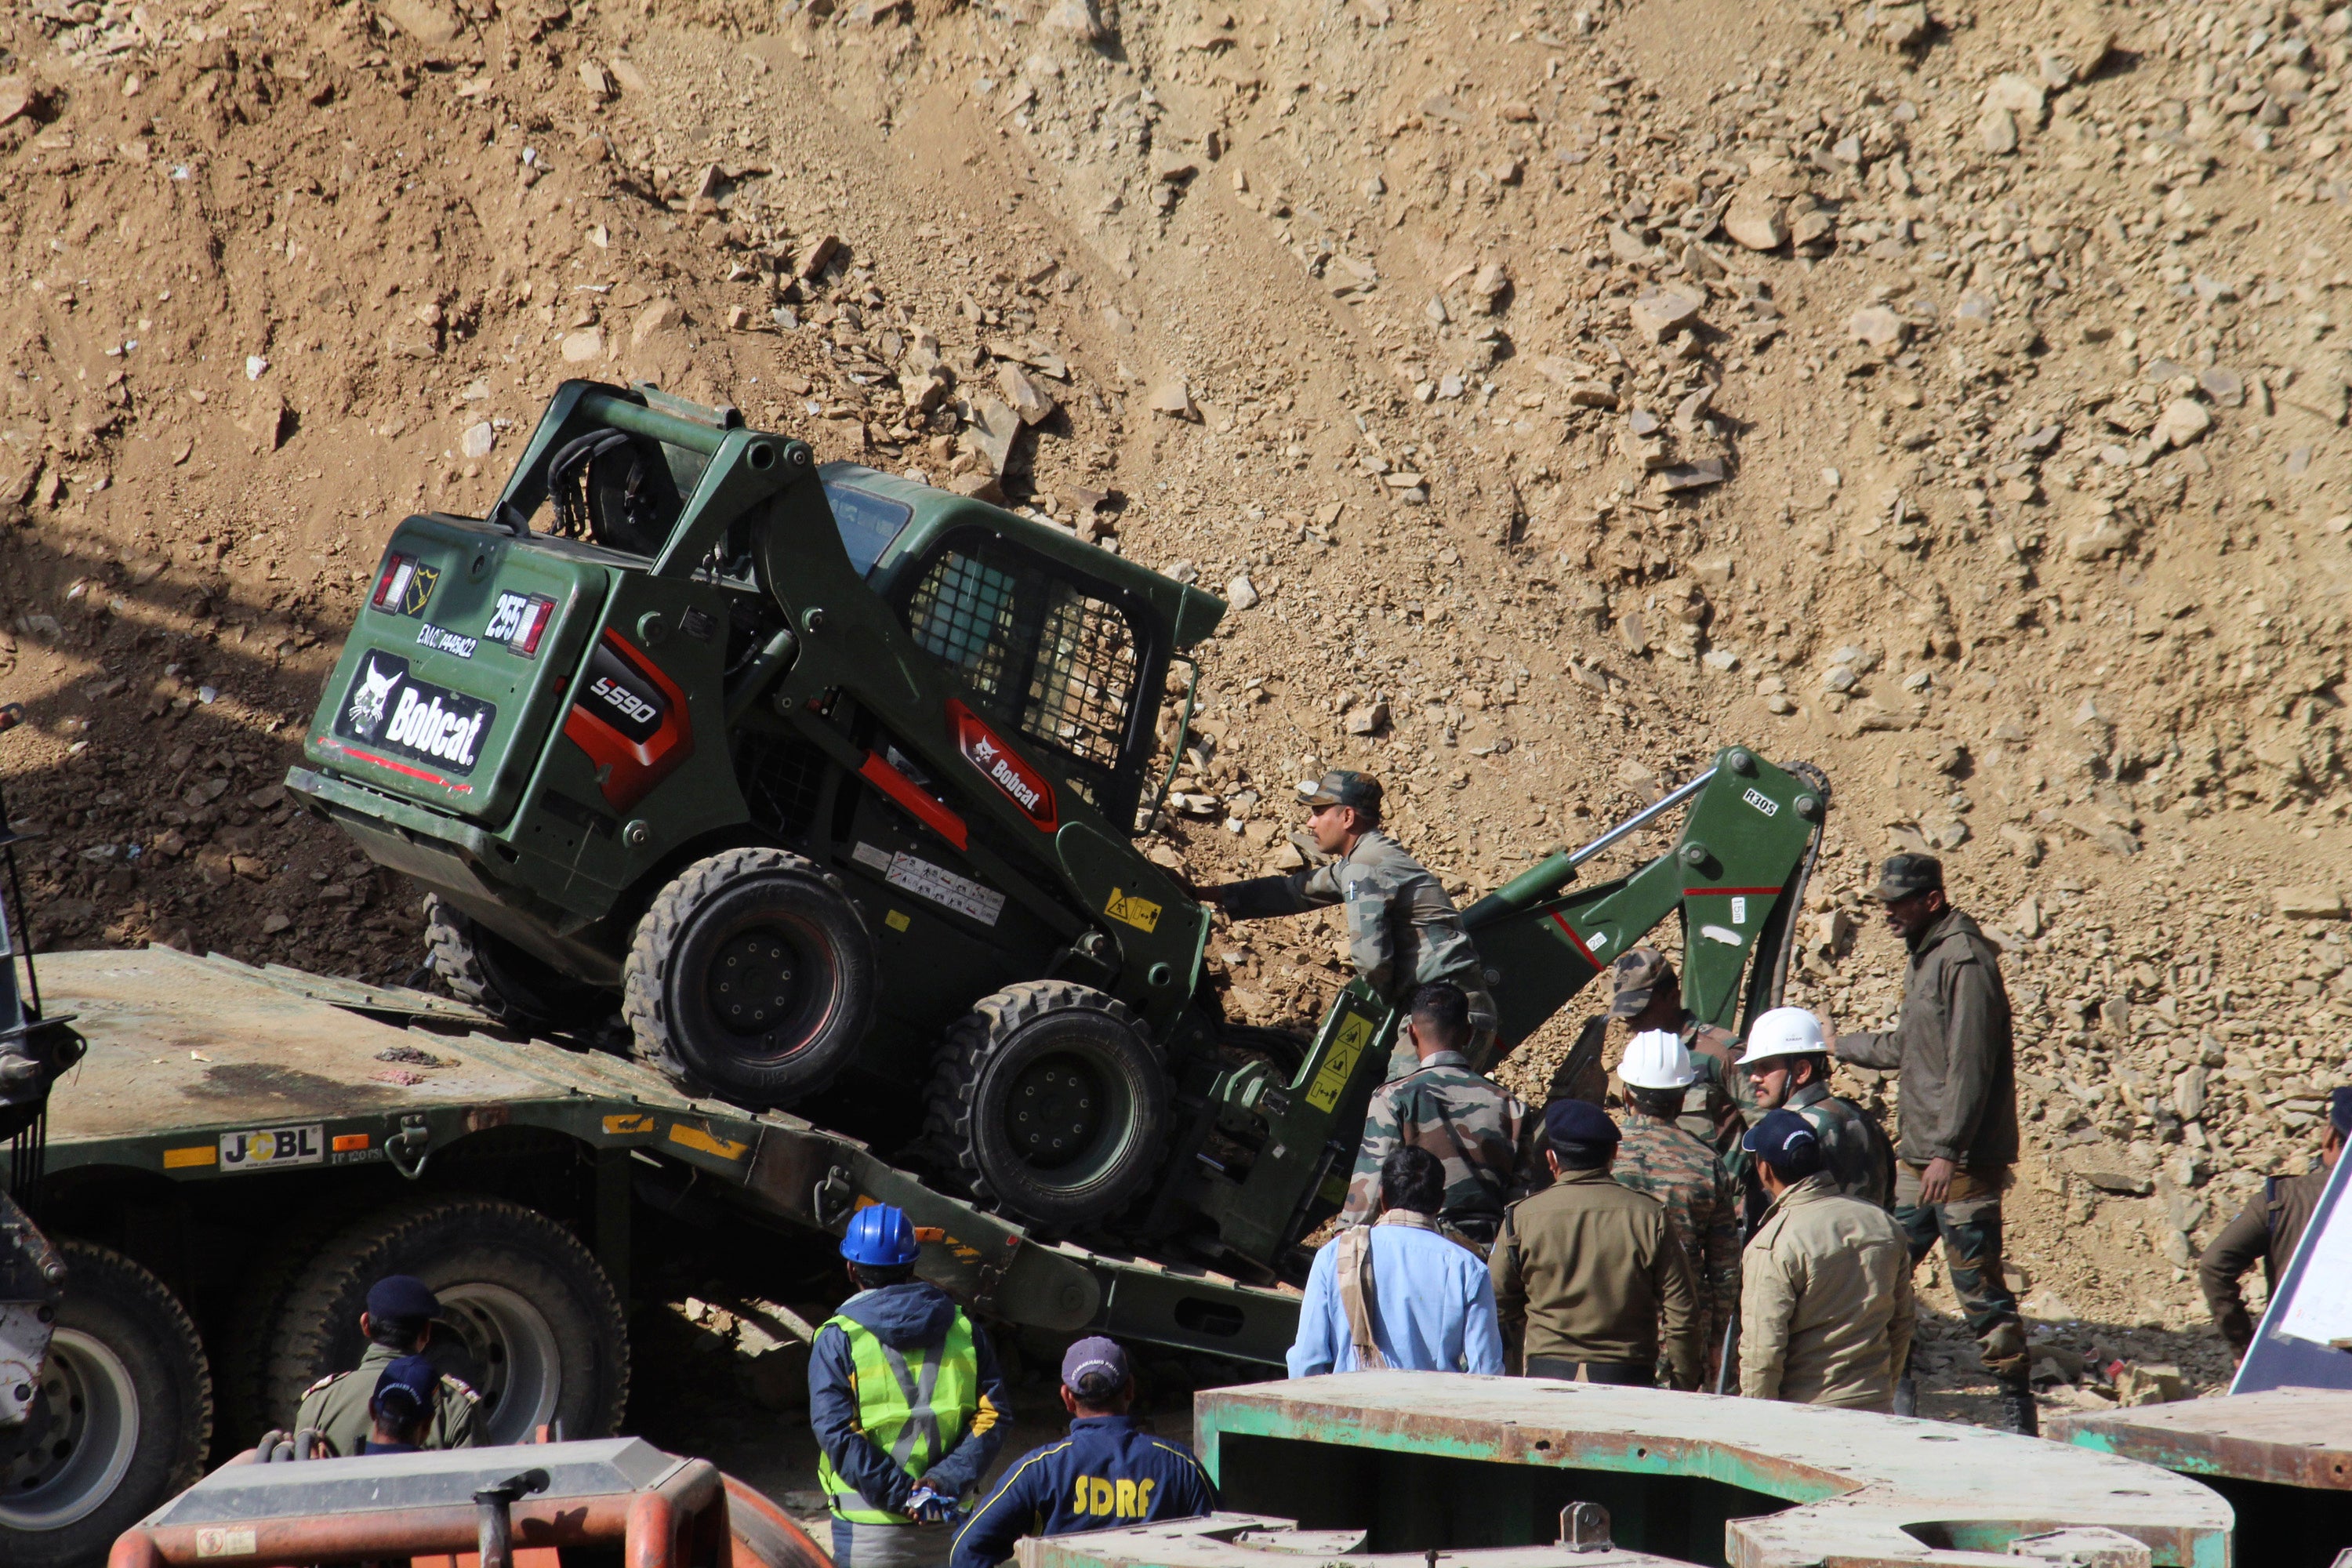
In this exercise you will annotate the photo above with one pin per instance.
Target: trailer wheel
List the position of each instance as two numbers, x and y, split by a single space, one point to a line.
518 990
752 977
123 1419
1050 1103
528 1317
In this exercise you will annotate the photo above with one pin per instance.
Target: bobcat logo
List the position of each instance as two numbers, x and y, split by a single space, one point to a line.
369 698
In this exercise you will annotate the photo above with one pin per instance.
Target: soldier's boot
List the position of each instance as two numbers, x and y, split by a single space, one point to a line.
1906 1394
2011 1366
2018 1412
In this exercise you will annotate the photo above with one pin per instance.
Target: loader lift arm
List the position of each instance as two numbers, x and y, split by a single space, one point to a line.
1736 875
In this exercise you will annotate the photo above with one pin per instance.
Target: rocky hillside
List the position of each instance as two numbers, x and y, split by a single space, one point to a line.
1951 398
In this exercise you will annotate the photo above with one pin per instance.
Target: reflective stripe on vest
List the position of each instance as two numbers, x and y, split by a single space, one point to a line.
914 1410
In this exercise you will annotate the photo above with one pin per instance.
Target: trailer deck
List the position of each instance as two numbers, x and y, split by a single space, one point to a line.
205 1070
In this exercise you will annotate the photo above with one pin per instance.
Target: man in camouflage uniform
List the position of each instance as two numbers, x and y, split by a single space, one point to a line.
1646 995
1657 1157
1959 1092
1788 1065
398 1322
1402 931
1480 1132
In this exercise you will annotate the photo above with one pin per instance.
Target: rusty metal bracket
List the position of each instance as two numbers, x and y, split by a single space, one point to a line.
1584 1527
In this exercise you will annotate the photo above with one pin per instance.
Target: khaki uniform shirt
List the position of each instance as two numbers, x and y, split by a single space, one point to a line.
1825 1304
1586 1269
337 1406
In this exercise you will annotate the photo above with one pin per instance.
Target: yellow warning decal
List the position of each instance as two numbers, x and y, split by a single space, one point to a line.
180 1159
697 1138
626 1123
1134 908
1355 1033
897 919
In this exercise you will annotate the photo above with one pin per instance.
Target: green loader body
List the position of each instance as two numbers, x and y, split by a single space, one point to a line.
828 780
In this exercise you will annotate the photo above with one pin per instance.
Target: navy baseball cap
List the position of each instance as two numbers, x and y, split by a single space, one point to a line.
2339 1111
1095 1368
1784 1140
405 1386
1578 1122
401 1296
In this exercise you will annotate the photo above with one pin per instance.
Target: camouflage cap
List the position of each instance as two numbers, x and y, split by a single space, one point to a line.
1904 875
1637 973
1345 786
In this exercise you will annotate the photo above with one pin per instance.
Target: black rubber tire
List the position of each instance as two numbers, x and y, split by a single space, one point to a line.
750 978
520 990
1088 1054
246 1344
528 1316
115 1310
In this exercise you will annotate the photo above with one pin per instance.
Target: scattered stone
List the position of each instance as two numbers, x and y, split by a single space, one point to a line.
1170 397
1691 476
427 23
994 426
580 348
2123 1184
1367 719
1242 593
2309 903
1662 311
1757 220
2184 420
1997 133
1075 19
17 98
1028 399
1879 327
2016 95
477 441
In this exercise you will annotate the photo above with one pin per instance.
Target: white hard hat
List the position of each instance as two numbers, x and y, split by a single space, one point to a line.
1784 1032
1657 1058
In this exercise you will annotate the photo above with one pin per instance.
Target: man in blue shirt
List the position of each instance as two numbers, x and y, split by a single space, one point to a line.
399 1407
1108 1472
1399 1293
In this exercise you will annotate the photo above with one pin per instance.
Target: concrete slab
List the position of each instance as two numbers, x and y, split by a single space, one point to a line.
1429 1460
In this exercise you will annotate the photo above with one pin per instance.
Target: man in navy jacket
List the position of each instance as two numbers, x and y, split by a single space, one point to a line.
1107 1473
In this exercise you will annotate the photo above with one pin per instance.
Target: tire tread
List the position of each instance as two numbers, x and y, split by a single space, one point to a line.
309 1323
951 1102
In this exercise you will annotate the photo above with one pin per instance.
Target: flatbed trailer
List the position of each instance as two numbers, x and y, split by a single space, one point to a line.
229 1123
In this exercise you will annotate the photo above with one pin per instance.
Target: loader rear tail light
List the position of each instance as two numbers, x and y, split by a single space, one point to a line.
392 586
535 617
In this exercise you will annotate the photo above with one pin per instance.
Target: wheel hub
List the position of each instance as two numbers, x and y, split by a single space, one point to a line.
1055 1110
754 981
86 1412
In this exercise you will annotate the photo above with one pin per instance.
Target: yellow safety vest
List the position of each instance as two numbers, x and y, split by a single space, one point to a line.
914 1409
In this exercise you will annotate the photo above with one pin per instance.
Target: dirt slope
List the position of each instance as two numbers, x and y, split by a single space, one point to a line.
1952 400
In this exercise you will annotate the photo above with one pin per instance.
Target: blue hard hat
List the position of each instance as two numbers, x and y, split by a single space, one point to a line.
881 1236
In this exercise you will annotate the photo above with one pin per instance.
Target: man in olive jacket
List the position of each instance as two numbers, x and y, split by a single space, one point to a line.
1584 1270
1952 1045
2268 1230
1825 1306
